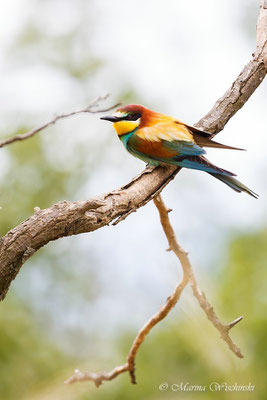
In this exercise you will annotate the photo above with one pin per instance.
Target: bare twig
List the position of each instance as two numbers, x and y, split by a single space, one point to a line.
161 314
91 108
98 378
212 316
188 271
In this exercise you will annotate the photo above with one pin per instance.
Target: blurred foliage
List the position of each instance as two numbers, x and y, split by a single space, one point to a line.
60 52
32 179
27 357
68 50
244 290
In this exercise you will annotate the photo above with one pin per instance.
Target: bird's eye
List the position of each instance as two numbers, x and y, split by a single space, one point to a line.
133 117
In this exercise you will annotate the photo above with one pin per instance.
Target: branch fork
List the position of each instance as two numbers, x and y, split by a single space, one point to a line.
187 277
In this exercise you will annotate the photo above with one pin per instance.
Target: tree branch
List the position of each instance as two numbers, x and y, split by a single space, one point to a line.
261 35
91 108
97 378
187 277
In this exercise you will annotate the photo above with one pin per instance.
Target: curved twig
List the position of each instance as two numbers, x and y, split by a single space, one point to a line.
91 109
98 378
189 273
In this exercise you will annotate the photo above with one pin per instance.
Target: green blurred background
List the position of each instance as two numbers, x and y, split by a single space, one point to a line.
79 302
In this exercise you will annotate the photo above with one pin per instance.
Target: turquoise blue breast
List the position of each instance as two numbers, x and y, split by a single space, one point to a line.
124 138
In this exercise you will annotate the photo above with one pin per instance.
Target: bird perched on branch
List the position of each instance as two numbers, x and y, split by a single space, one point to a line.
159 139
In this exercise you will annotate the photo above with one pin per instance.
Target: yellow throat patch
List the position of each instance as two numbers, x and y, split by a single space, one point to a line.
123 127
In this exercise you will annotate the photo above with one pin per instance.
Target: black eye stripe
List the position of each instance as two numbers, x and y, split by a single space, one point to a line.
132 117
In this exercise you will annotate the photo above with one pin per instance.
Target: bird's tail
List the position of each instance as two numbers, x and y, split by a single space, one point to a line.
234 184
227 177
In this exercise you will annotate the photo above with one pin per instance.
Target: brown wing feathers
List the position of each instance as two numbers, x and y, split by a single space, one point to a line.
203 139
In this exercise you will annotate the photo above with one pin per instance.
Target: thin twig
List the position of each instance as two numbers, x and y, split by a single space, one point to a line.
98 378
161 314
189 273
89 109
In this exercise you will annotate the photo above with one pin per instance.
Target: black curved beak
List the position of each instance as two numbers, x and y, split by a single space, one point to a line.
111 118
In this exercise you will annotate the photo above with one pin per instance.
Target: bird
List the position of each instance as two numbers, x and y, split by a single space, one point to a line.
159 139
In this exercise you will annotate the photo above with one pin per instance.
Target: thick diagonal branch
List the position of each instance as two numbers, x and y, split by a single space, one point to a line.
72 218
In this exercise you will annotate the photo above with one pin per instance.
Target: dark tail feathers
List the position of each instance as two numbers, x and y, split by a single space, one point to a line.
234 184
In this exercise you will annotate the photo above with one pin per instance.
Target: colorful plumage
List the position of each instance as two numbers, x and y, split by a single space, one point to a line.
159 139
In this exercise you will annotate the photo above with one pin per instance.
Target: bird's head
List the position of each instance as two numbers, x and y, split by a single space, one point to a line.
126 119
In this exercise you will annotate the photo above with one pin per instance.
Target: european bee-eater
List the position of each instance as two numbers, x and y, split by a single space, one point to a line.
159 139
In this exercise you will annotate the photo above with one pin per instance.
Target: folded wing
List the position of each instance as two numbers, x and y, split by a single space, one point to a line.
203 139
